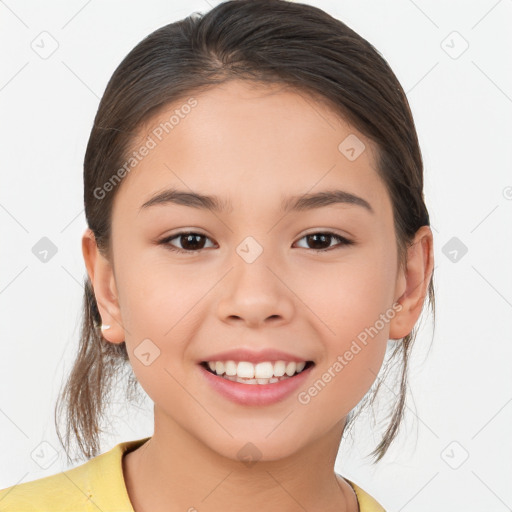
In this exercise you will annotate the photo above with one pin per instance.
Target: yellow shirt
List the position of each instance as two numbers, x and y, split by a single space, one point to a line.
97 485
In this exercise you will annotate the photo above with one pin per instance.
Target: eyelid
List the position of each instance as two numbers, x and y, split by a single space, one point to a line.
328 231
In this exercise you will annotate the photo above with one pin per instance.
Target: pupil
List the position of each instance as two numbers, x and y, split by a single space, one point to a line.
316 236
188 238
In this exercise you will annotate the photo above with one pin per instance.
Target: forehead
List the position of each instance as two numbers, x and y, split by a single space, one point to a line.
250 144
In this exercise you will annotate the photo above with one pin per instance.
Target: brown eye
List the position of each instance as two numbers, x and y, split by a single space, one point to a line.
190 242
321 241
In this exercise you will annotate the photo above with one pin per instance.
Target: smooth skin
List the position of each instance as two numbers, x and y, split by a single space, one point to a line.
252 145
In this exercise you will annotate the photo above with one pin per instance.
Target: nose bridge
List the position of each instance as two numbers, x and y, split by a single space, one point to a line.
253 260
254 234
255 292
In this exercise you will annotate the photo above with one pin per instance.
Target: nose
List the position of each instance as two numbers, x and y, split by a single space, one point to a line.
256 294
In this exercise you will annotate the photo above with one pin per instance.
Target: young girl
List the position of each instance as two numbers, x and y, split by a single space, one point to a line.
257 237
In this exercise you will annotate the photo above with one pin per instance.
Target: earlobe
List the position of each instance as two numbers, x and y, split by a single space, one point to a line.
413 283
101 275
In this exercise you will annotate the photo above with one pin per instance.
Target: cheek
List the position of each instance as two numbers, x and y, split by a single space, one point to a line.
159 312
353 304
158 297
157 309
350 295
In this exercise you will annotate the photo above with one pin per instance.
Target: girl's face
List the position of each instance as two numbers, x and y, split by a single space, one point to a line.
257 277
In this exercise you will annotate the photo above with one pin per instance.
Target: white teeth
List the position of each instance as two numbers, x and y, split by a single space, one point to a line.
230 368
279 368
260 373
219 367
263 370
244 369
290 368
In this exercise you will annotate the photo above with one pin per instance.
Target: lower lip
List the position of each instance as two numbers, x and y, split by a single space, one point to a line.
255 394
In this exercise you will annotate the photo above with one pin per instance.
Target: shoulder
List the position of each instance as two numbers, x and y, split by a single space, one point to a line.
53 491
71 489
366 502
97 484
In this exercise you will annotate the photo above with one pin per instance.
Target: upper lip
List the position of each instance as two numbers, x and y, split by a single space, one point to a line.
252 356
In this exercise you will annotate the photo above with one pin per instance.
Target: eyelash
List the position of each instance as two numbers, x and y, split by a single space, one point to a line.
166 241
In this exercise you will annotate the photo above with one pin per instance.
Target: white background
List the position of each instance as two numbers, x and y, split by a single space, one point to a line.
461 391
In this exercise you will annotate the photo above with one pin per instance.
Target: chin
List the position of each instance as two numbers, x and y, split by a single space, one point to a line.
251 447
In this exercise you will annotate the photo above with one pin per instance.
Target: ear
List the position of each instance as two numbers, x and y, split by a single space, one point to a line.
102 279
412 283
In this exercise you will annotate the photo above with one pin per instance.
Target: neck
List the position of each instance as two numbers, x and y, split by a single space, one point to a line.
175 471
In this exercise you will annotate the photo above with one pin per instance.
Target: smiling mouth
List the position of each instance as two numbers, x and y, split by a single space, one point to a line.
267 372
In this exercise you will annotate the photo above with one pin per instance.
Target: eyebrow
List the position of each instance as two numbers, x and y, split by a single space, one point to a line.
292 203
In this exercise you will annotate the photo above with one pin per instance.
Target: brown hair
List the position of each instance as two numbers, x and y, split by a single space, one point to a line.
268 41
